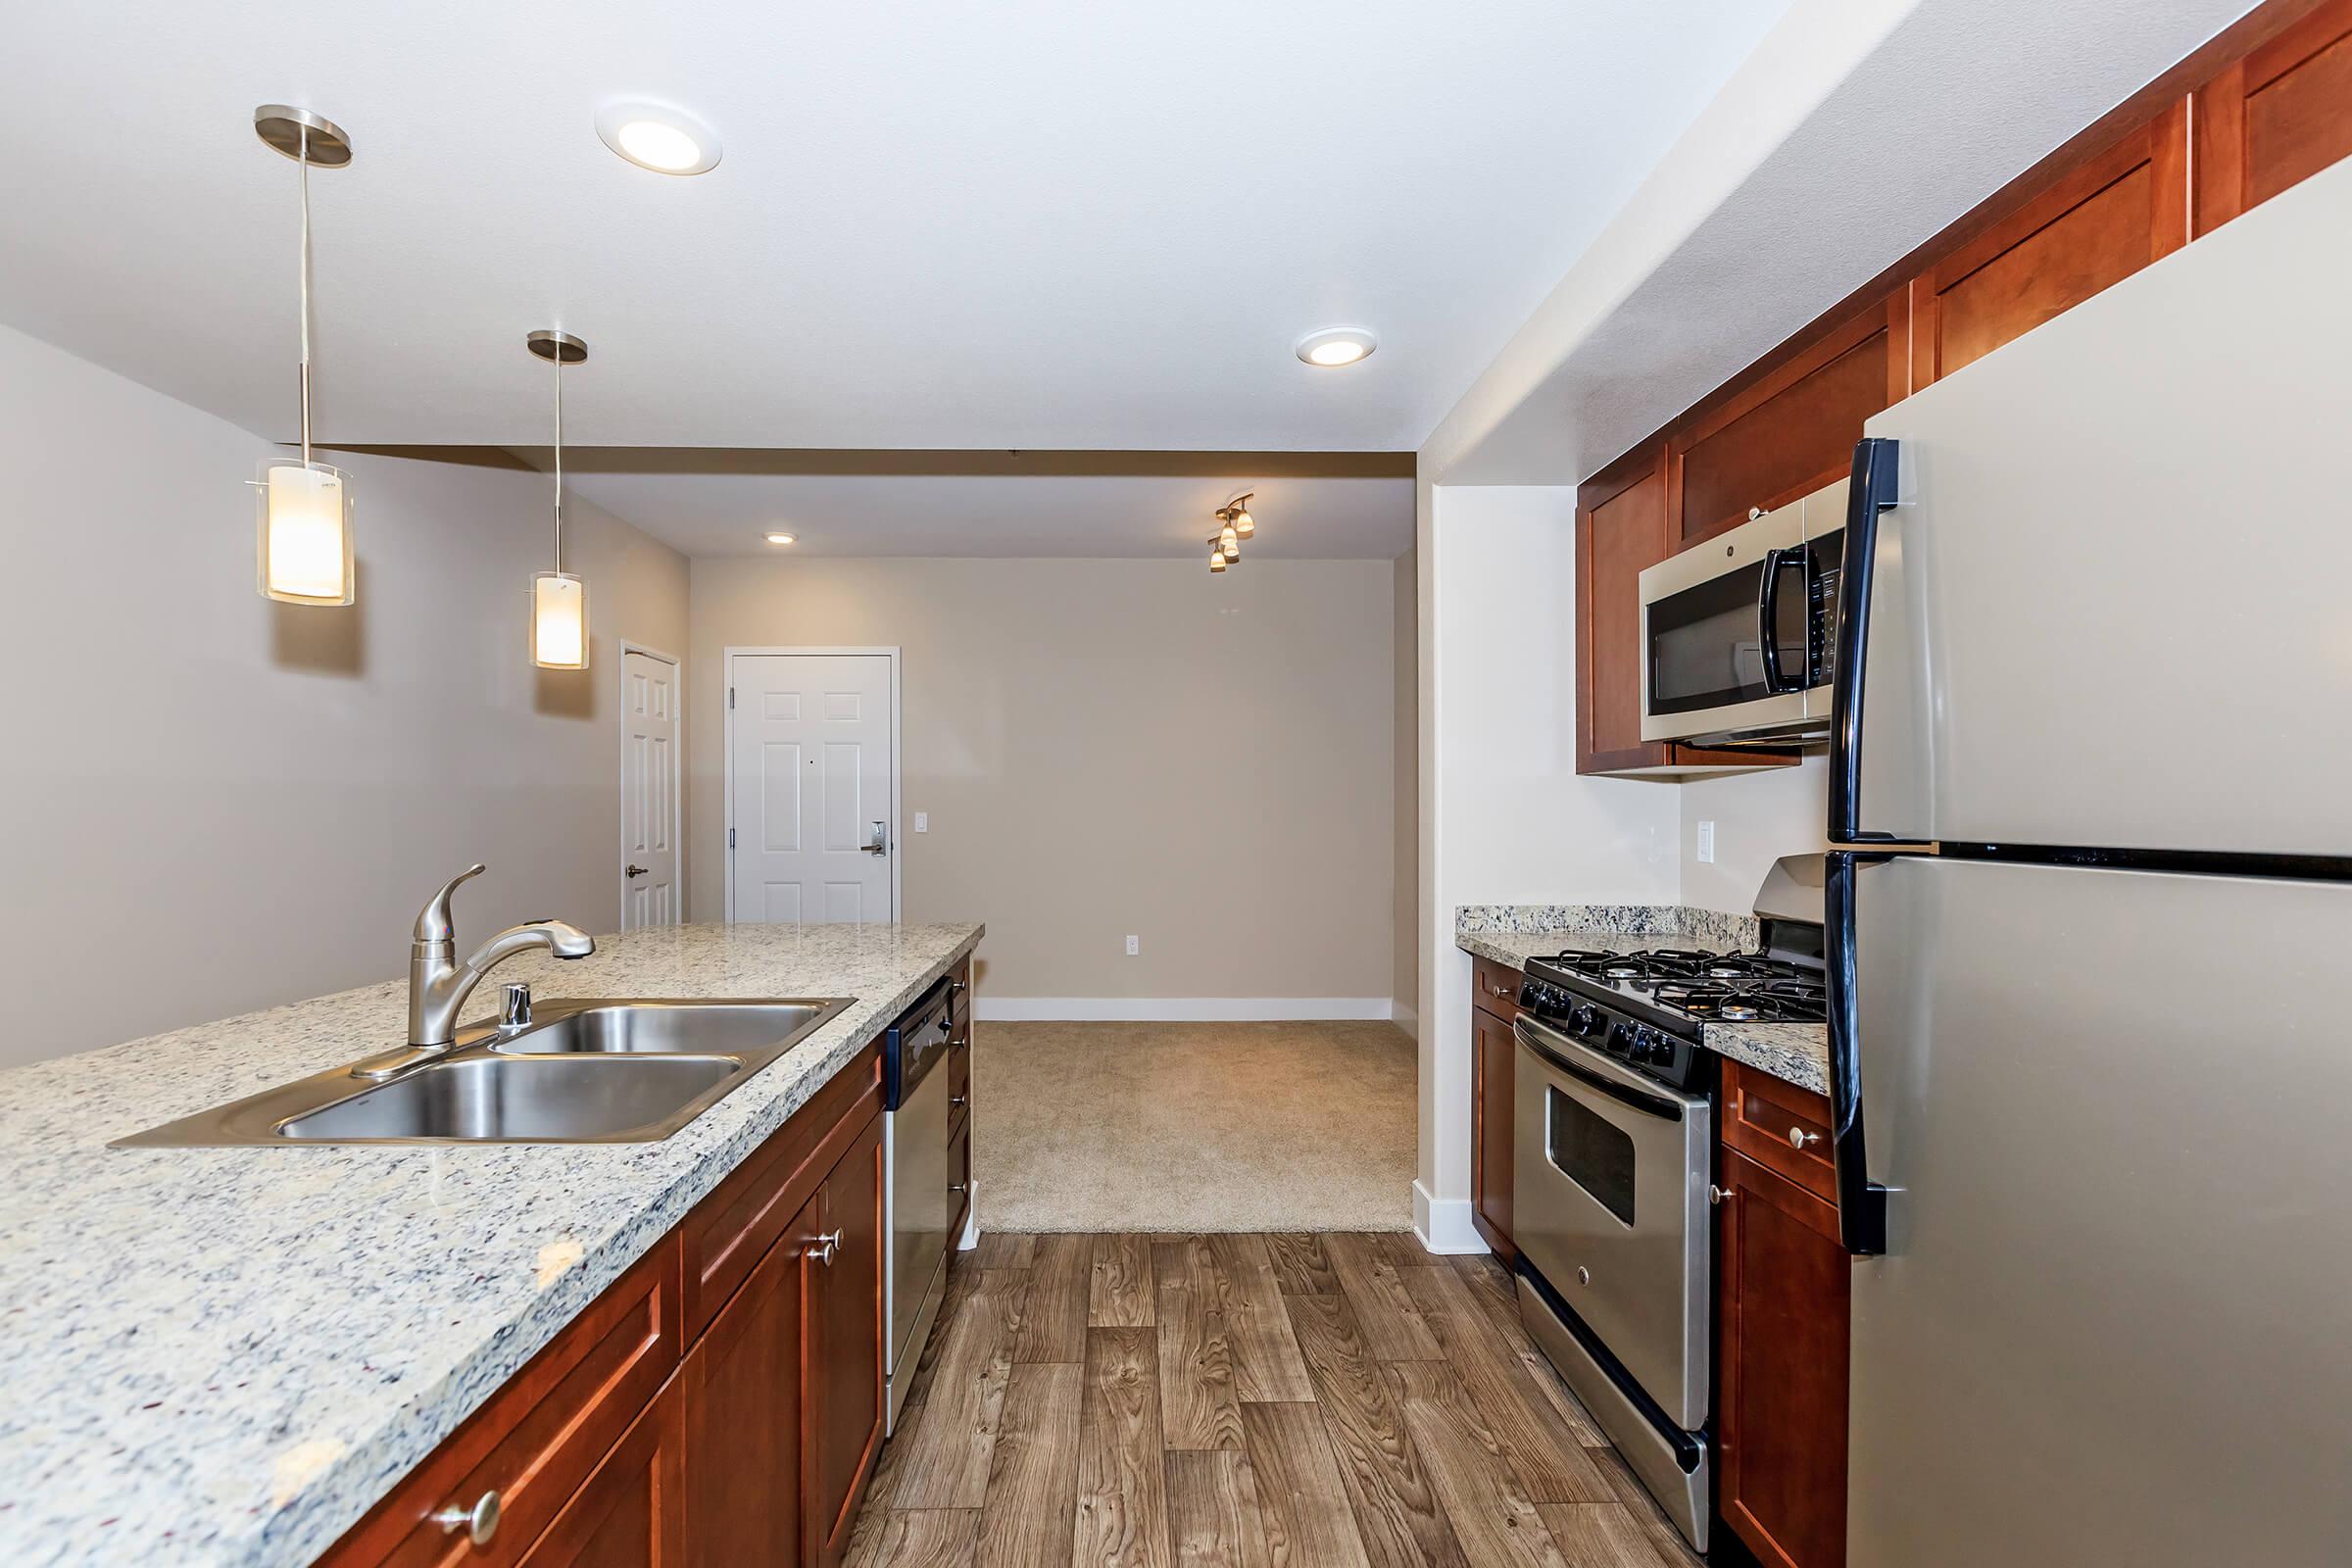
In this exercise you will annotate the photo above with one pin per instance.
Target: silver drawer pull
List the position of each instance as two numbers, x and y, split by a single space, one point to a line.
1799 1138
960 1099
479 1522
826 1249
1718 1194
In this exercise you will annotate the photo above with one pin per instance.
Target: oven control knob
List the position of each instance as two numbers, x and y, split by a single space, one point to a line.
1584 1022
1621 1039
1550 1001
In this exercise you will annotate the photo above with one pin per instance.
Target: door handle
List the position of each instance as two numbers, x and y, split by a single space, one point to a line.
639 870
1871 491
880 843
1767 613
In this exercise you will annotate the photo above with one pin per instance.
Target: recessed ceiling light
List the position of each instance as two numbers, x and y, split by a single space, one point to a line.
1336 345
779 538
659 137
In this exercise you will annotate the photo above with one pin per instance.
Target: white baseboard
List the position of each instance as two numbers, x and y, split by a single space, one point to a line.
1444 1224
1177 1009
1407 1018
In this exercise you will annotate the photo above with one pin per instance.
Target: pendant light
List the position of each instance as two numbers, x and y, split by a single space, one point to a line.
1216 555
302 550
1236 511
559 599
1233 524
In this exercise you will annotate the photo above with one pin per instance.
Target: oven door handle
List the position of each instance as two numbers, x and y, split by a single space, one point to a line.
1598 1072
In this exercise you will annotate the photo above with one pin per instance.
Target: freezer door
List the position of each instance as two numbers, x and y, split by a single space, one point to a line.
2108 607
2108 1324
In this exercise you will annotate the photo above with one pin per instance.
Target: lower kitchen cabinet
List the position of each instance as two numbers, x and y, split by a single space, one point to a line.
1493 1056
1783 1311
632 1512
841 1385
721 1403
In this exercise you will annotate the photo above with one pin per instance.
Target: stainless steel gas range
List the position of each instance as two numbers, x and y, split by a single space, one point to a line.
1614 1118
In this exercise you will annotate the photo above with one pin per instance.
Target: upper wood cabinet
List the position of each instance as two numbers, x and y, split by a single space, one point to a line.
2101 221
1785 430
1622 526
2280 113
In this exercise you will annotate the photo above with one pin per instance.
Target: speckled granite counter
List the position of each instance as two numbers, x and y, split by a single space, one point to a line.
225 1355
1795 1053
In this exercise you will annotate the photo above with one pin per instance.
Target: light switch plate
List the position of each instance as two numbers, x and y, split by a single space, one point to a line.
1135 945
922 821
1706 843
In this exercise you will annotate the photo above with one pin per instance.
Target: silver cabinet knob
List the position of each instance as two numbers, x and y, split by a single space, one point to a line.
1718 1194
1799 1138
960 1099
479 1522
1583 1276
826 1247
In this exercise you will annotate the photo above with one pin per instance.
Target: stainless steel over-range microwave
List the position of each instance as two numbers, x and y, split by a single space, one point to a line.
1737 633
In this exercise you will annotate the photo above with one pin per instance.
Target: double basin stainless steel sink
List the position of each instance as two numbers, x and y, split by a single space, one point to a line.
581 1071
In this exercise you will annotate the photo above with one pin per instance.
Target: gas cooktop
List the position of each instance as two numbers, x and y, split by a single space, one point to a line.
1687 986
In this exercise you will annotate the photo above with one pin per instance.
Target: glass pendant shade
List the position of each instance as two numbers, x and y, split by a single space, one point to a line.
303 551
559 621
1216 558
1243 524
1229 543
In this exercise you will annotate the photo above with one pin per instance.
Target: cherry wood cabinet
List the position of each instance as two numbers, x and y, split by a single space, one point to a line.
2280 113
2097 224
1622 526
632 1512
841 1367
1783 1311
720 1404
1492 1080
743 1487
1773 437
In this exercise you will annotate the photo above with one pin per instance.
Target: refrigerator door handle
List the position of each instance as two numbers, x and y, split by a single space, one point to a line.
1861 1202
1871 492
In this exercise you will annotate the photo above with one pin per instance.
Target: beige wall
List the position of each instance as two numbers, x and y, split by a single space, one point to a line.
1406 906
216 802
1107 746
1758 817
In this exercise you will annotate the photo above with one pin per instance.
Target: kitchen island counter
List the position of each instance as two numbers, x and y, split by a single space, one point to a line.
228 1356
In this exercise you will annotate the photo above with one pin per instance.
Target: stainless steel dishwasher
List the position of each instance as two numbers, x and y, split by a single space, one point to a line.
914 1140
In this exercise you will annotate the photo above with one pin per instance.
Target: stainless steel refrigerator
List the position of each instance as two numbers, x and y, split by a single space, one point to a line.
2092 1053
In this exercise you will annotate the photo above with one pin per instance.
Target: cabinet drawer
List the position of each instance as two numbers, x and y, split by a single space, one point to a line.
960 1070
540 1434
960 988
1780 1127
732 1229
1494 987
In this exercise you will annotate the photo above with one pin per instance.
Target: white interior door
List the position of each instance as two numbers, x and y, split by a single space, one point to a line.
649 791
811 827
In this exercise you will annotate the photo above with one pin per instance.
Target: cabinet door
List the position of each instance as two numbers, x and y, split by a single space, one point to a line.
631 1512
2099 223
743 1415
1781 433
843 1426
1492 1072
2278 116
1782 1306
1620 529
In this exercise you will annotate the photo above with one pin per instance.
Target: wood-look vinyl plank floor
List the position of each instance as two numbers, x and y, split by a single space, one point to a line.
1244 1401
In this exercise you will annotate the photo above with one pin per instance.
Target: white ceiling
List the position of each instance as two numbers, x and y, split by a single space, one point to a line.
1077 514
938 226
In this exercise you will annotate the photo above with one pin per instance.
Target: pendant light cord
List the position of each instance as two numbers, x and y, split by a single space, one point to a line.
303 159
559 363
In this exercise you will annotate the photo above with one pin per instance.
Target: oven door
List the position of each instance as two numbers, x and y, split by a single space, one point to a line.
1707 671
1610 1206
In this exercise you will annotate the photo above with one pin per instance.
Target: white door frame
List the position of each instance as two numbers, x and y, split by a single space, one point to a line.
677 775
897 765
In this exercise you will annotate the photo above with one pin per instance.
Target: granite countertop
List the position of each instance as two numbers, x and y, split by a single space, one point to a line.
228 1356
1794 1053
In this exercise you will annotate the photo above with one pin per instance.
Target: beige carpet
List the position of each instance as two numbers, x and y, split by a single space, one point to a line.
1194 1126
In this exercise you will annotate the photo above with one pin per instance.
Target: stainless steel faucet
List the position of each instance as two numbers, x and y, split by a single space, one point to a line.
438 985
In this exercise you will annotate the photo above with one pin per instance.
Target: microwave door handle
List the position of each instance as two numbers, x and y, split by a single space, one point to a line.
1871 492
1861 1202
1768 621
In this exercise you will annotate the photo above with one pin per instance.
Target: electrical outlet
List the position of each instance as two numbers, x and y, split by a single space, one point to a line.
1134 944
1706 843
922 821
